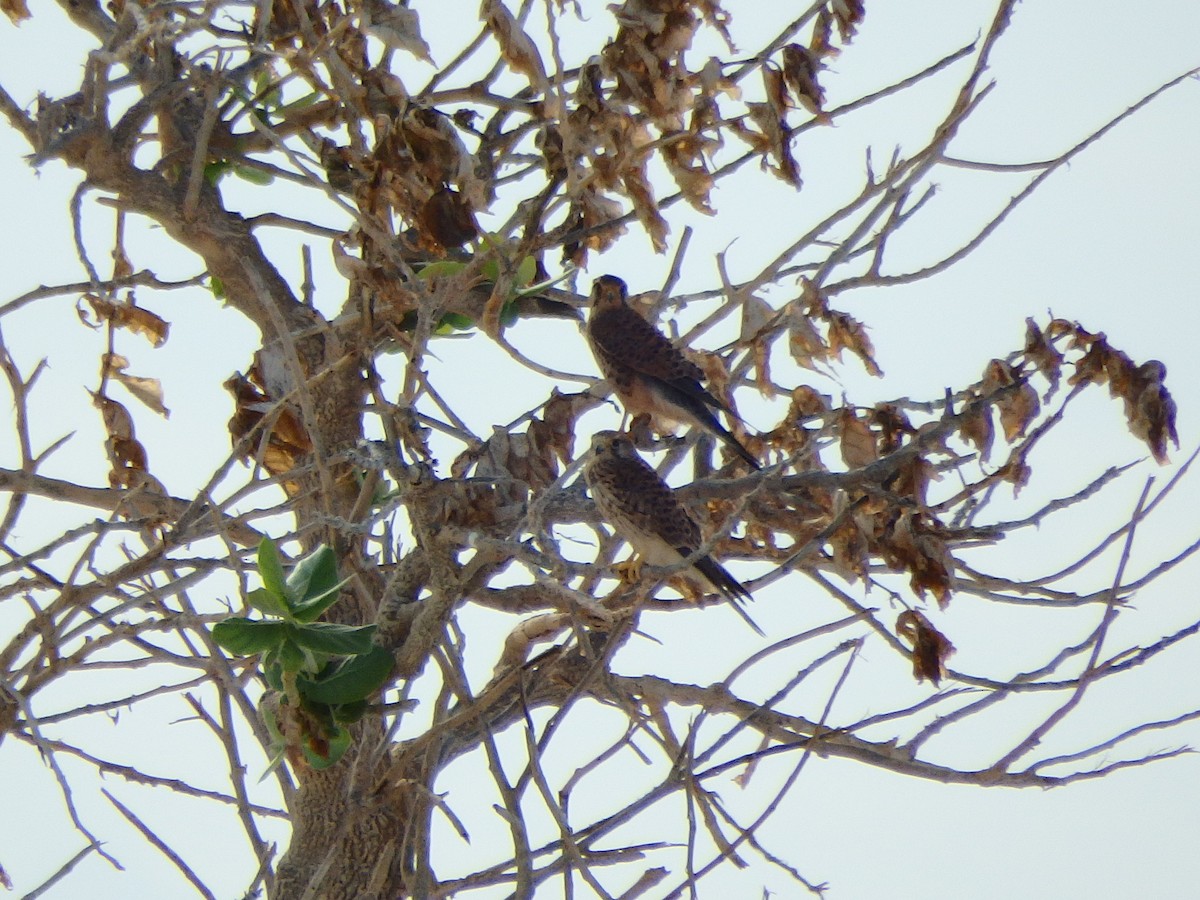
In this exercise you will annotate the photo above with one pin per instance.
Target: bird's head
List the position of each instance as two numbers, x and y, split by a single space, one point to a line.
608 291
611 444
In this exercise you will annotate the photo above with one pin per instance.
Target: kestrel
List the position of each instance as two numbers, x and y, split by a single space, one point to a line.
644 511
647 371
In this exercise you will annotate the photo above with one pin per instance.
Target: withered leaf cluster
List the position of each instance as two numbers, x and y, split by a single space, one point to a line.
1149 408
930 647
1007 388
883 516
511 466
817 335
127 315
263 428
126 455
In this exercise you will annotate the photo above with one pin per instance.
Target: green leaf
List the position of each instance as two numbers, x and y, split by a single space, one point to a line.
526 271
245 637
339 743
385 490
336 640
293 657
313 576
508 313
351 680
302 103
313 585
270 569
274 763
265 87
214 170
310 610
349 713
456 321
268 716
253 175
441 269
268 604
273 671
532 289
217 286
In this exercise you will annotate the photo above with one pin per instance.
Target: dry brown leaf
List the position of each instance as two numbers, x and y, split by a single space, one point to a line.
807 402
911 479
694 180
931 649
822 43
712 81
1151 410
857 442
288 440
846 332
122 267
526 633
516 46
1122 374
775 86
757 314
1018 403
591 212
117 421
148 390
849 550
716 374
1018 410
589 88
637 186
774 138
509 463
398 26
893 424
800 69
790 435
1093 367
112 362
1016 471
126 454
1058 327
558 418
914 547
446 220
805 343
977 426
1042 353
848 14
126 315
16 10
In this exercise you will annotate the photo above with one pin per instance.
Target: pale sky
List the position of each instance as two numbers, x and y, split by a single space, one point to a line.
1111 241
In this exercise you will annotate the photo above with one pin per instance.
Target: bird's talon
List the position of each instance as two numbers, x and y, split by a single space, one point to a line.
630 571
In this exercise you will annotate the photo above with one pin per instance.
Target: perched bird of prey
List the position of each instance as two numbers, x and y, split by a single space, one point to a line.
647 371
644 511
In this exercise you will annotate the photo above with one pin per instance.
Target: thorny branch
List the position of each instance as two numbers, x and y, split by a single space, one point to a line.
350 432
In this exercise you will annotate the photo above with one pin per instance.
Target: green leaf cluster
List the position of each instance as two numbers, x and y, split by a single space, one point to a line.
522 284
326 669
